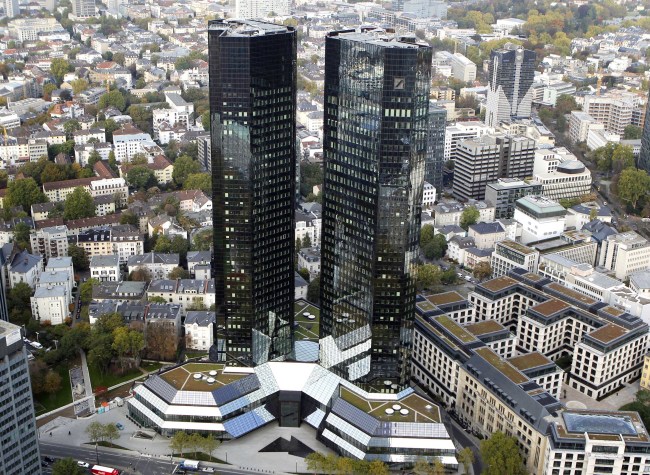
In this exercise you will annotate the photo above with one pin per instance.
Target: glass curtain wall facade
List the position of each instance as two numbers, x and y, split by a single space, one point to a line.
643 162
436 146
253 116
510 87
375 147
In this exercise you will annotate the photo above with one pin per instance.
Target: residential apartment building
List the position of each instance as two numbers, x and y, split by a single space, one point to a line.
614 109
58 191
19 453
624 254
50 304
114 187
250 9
158 265
105 268
28 29
541 218
309 258
128 141
50 241
24 267
580 123
506 191
190 294
449 213
199 329
486 235
484 160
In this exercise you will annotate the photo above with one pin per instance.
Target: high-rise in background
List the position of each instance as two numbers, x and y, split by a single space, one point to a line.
510 81
643 161
19 453
253 122
12 8
435 161
83 9
375 147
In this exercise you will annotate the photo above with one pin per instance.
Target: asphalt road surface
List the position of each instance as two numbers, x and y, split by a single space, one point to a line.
126 463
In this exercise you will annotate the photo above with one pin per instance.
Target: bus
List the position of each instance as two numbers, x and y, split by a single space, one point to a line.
190 464
99 470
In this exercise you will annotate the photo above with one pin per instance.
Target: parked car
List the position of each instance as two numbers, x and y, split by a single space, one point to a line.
119 426
83 464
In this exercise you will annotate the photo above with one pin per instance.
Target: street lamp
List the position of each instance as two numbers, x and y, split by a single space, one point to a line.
37 333
96 453
56 344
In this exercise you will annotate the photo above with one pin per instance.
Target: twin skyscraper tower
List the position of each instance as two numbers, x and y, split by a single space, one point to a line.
376 98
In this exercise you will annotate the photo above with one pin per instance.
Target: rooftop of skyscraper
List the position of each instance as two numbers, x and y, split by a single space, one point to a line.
239 27
379 36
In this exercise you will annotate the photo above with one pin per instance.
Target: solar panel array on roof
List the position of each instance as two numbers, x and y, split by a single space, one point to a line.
248 422
162 388
354 416
235 390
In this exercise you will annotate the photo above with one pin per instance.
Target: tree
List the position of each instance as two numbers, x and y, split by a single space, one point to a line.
428 276
79 86
179 442
184 166
25 193
59 67
21 236
178 273
79 256
128 217
202 240
179 245
53 172
119 58
313 290
48 89
101 353
162 342
466 459
205 120
79 204
422 467
304 273
86 290
110 432
449 277
632 185
199 181
501 455
52 383
19 303
141 177
121 344
209 444
140 274
426 234
163 244
67 466
482 270
37 372
113 98
469 216
436 247
632 132
622 158
70 127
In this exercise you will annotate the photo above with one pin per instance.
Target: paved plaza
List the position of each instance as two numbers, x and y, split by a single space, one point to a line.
242 452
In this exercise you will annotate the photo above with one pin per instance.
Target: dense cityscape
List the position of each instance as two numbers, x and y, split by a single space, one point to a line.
348 237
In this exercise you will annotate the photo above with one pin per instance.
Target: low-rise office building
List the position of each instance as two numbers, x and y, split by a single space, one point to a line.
541 218
231 402
506 191
509 254
624 254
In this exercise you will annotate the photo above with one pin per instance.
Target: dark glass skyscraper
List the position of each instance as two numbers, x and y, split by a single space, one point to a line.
375 144
436 146
644 156
253 117
510 84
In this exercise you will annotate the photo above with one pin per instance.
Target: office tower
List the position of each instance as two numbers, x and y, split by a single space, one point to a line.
483 160
436 146
510 82
83 8
253 122
19 442
644 157
261 8
12 8
376 133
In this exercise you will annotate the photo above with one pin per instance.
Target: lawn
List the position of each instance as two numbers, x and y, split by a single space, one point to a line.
45 402
306 328
110 379
151 366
